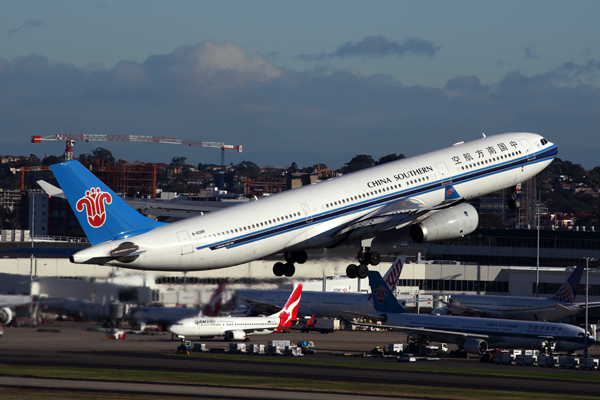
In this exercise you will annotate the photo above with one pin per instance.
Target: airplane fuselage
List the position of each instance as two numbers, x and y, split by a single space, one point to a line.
202 326
312 216
510 307
499 333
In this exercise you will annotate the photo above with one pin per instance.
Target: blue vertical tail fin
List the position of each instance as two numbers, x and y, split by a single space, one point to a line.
383 298
568 290
102 214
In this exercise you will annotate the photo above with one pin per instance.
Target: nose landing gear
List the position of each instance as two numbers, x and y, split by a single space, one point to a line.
514 203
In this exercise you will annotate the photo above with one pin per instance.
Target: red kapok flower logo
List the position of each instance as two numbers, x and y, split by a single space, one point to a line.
380 292
93 202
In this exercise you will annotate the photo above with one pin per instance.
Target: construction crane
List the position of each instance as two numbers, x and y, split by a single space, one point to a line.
71 139
22 170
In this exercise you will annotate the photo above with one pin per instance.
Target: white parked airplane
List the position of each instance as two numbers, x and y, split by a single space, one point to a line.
424 193
238 328
170 315
474 335
562 304
318 303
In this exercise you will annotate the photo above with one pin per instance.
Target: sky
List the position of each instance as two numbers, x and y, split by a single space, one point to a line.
307 82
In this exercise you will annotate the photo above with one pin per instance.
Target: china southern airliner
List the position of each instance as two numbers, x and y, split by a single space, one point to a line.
473 335
425 194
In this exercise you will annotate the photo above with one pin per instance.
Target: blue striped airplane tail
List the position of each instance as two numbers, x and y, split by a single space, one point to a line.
568 290
103 215
383 298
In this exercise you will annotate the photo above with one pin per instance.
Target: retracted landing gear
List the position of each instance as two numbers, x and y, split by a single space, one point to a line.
514 203
288 269
365 258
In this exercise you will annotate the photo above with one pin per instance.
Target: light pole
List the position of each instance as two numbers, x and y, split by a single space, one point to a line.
537 269
587 287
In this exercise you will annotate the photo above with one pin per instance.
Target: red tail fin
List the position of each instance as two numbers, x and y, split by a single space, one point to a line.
393 274
289 312
213 307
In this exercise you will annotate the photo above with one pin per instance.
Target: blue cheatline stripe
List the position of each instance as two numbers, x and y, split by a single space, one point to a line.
384 200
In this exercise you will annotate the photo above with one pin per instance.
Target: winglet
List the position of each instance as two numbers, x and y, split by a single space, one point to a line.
568 290
102 214
383 298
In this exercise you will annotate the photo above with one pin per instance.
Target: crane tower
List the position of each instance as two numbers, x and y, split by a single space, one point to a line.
70 140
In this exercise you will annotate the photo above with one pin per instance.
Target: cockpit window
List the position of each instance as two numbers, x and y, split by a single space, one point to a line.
544 142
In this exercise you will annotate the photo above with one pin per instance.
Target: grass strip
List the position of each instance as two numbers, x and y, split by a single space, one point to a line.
503 371
244 381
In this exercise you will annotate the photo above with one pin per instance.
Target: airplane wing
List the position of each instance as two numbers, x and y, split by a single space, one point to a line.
263 308
591 304
396 215
157 208
475 311
458 336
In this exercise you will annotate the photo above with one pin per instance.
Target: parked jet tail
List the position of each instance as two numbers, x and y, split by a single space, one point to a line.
289 312
213 307
383 298
568 290
102 214
393 274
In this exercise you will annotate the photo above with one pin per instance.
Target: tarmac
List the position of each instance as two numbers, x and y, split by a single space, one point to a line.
80 345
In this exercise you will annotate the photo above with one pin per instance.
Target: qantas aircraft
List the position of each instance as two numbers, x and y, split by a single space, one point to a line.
238 328
318 303
425 194
473 334
562 304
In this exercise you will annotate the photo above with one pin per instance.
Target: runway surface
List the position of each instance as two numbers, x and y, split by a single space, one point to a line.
75 346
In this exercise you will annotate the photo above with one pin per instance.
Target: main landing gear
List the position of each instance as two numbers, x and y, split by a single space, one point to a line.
291 257
515 203
365 258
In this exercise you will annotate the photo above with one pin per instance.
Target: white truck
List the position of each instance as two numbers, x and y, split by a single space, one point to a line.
437 348
322 325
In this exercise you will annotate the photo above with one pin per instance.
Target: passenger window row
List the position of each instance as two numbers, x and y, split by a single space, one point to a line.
375 192
254 226
493 159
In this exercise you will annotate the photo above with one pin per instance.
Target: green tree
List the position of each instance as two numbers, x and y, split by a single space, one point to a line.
359 162
178 161
103 154
249 169
389 158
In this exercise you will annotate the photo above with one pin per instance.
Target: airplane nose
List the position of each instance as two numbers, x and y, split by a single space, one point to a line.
591 340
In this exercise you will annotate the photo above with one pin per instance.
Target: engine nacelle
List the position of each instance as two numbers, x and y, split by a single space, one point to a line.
6 315
475 346
450 223
235 335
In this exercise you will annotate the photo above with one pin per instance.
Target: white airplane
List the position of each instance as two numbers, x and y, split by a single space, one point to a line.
318 303
474 335
424 194
562 304
238 328
170 315
8 303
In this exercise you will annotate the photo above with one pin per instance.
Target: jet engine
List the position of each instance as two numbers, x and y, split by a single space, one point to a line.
6 315
235 335
450 223
475 346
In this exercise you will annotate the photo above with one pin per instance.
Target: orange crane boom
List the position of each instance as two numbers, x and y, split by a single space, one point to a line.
22 170
70 139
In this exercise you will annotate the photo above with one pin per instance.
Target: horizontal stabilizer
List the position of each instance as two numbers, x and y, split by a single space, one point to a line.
58 252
